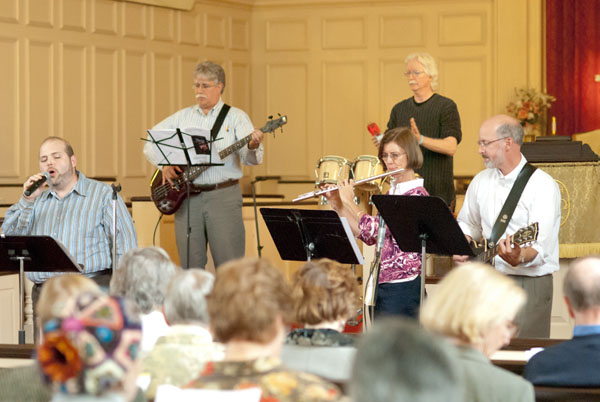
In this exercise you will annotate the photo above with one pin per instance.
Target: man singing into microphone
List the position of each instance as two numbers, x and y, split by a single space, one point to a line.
73 209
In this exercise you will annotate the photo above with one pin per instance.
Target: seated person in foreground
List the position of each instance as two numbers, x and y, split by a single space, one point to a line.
181 354
248 308
574 363
397 361
142 277
25 383
325 296
91 355
474 306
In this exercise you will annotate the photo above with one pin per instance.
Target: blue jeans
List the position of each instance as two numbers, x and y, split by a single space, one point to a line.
398 299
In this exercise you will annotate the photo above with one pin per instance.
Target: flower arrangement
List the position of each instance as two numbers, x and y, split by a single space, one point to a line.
528 107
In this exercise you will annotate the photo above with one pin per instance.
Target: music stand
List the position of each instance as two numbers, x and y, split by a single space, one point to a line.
33 254
422 224
304 234
174 145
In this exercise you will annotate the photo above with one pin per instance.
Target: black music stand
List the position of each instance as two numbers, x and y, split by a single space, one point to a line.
174 145
421 225
33 254
304 234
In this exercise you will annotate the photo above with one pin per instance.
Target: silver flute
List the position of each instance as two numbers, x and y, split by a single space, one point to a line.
317 193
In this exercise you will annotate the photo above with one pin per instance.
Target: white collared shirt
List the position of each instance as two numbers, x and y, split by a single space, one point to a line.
539 202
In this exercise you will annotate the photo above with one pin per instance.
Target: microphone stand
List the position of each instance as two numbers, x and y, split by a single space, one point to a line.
370 296
115 190
259 247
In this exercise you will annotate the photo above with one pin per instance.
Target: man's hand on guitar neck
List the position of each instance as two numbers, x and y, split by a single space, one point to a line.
169 173
513 254
257 138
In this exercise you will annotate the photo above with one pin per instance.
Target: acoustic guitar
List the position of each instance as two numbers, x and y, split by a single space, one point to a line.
523 236
168 198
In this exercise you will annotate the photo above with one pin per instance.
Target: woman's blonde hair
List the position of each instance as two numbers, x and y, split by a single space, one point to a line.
324 290
57 290
469 301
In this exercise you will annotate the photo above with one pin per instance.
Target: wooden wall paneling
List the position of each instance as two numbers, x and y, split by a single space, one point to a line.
104 17
393 87
9 10
10 114
73 15
472 102
134 109
189 25
162 24
9 300
40 13
401 31
239 34
214 31
287 153
462 29
286 34
73 97
187 65
39 97
239 80
135 21
163 81
344 89
104 142
344 33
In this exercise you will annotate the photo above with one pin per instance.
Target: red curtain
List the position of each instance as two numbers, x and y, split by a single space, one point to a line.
572 63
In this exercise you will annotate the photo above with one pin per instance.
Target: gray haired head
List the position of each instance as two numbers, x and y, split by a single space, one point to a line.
185 302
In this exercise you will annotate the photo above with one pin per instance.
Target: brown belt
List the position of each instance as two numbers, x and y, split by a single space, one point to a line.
201 189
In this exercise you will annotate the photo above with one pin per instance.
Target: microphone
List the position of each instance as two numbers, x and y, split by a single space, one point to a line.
375 131
36 184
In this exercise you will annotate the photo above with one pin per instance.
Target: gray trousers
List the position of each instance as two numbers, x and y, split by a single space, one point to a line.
534 318
216 219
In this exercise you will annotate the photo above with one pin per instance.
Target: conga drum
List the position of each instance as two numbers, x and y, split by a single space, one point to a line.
366 166
331 169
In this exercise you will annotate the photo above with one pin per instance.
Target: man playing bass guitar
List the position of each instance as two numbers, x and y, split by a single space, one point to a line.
215 195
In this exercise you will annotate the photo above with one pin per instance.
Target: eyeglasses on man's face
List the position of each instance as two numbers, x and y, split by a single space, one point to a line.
203 85
414 73
394 156
485 144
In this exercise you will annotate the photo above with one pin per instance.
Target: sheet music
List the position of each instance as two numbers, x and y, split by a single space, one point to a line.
195 140
353 243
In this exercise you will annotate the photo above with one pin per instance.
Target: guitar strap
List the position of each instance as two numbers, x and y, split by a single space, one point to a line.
214 131
510 204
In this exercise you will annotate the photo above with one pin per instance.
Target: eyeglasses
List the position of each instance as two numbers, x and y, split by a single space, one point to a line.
414 72
198 85
484 144
394 156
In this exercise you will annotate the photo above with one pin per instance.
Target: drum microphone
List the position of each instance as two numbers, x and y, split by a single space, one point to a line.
36 184
375 131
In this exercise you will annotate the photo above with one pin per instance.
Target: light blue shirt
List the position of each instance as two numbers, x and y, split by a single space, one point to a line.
583 330
236 126
81 221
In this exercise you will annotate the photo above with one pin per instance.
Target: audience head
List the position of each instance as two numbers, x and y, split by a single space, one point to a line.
58 290
324 291
403 138
185 302
142 276
94 349
426 62
398 361
582 288
474 305
249 302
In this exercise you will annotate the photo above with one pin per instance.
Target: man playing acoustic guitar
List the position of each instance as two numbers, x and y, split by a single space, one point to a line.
500 140
216 198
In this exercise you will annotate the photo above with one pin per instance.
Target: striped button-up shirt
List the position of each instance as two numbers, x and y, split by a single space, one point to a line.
236 126
81 221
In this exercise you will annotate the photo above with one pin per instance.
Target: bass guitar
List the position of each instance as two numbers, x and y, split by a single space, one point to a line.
168 198
523 236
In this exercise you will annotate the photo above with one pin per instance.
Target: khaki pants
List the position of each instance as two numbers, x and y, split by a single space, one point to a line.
534 318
